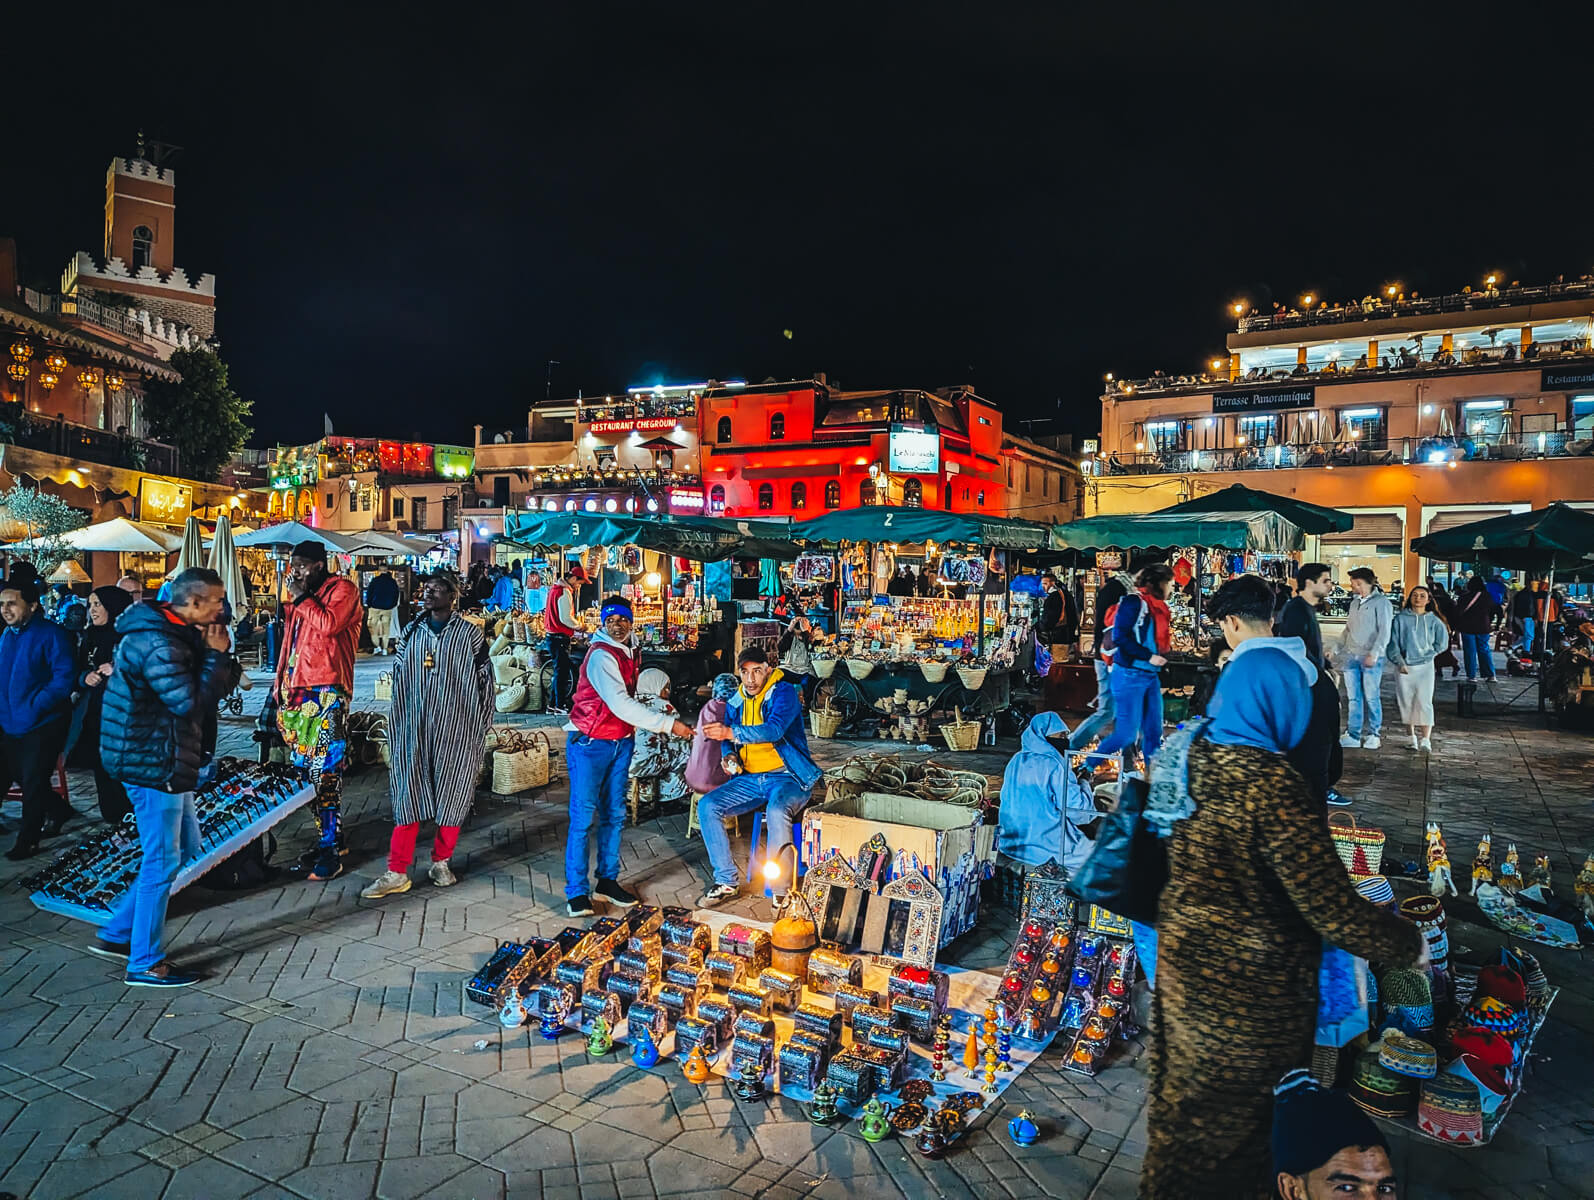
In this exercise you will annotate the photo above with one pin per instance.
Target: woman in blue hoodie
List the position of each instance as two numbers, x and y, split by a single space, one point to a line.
1140 642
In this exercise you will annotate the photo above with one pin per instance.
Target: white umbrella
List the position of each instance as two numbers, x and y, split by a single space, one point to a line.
119 536
380 541
69 572
290 533
193 551
224 561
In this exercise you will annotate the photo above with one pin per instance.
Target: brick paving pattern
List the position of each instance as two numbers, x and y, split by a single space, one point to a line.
330 1052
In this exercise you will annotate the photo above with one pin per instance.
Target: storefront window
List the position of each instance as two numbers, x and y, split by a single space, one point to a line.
799 495
1582 417
1365 426
766 497
833 494
1485 420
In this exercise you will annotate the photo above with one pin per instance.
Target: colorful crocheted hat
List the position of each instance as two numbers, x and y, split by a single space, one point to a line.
1493 1014
1504 985
1487 1057
1376 890
1407 1055
1450 1110
1379 1090
1407 997
1424 910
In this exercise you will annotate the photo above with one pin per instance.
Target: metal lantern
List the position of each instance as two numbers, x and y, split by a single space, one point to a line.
21 350
55 361
17 371
87 378
114 382
48 379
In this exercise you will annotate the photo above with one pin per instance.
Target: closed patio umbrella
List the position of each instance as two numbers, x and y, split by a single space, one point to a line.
193 551
224 561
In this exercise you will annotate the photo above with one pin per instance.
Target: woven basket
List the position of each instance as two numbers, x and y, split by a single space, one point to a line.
934 672
824 668
1360 847
824 722
961 734
521 761
973 677
384 686
1376 890
511 699
860 668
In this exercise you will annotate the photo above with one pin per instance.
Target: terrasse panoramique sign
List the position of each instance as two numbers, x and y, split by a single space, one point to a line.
1266 400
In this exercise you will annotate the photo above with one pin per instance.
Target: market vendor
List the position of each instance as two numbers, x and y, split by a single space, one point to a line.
1043 802
765 724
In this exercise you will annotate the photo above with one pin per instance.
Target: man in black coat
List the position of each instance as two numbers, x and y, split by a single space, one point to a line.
1318 756
172 666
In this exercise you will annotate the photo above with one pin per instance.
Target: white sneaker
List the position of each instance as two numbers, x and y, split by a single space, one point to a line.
1350 742
440 875
388 883
1426 744
1372 743
1416 743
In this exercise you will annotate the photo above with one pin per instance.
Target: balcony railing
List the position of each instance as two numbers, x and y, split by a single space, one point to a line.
1429 451
641 408
18 427
1379 309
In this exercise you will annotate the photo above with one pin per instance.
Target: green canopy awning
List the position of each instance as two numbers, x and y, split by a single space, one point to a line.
702 539
887 523
1312 518
1559 538
1264 532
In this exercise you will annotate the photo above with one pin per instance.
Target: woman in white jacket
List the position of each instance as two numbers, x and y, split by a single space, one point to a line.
1417 636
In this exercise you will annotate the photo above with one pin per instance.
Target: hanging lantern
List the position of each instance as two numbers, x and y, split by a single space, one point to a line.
87 378
48 380
17 371
55 362
21 351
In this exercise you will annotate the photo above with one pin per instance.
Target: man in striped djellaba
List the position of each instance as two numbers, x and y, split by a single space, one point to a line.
437 727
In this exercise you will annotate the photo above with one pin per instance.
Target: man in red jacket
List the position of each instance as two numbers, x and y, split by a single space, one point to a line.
315 680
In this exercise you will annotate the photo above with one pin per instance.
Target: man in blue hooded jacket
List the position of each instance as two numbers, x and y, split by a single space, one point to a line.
1043 802
764 719
36 677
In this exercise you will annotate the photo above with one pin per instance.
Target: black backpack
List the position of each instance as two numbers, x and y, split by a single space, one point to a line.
247 868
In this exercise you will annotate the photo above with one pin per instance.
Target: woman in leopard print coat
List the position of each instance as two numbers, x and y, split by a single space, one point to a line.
1255 887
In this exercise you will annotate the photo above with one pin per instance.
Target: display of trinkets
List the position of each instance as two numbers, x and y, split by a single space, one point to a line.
829 967
725 969
888 1039
751 998
243 801
608 935
865 1017
678 929
677 1002
943 1038
755 1050
584 973
694 979
690 956
914 1017
1022 1129
604 1005
635 962
483 987
599 1042
649 1014
921 983
751 1022
890 1065
649 944
1081 995
802 1063
785 989
825 1023
554 1002
916 1089
852 1076
847 997
720 1012
694 1031
1107 1012
628 989
754 945
908 1116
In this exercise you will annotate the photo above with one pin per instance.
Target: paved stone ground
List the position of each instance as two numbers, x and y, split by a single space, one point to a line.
330 1053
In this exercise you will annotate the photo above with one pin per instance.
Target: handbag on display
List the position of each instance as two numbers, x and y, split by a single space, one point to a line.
1128 868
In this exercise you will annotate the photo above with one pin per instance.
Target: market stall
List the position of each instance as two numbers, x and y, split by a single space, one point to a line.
142 550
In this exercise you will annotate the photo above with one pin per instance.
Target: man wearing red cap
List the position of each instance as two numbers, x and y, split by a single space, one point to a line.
560 619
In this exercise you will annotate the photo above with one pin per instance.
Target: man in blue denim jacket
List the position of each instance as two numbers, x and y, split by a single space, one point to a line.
764 721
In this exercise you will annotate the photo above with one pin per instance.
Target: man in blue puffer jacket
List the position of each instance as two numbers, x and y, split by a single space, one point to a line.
36 675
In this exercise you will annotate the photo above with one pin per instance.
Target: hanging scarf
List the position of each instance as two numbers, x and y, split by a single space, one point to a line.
1161 618
1168 798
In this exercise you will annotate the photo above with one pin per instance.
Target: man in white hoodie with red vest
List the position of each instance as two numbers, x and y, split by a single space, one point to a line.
604 718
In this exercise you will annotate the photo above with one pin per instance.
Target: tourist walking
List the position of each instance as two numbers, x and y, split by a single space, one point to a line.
95 665
559 618
36 677
1362 648
1318 755
1141 639
604 716
381 611
314 685
1473 614
1115 588
1417 636
1254 888
172 665
437 730
764 721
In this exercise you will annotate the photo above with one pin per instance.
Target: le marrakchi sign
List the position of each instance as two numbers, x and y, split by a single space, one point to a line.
1268 400
641 425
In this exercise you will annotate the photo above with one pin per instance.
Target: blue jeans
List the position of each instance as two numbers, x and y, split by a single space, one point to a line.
1475 646
777 792
1089 728
1361 689
168 832
1137 701
598 770
1530 628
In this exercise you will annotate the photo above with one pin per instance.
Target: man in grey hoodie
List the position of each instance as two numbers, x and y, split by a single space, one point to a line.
1362 650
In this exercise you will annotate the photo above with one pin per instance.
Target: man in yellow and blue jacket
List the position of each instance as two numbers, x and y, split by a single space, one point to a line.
764 720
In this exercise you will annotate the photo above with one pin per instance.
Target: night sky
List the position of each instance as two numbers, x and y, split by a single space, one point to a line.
411 211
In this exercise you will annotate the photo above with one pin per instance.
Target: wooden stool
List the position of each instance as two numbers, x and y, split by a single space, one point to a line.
692 826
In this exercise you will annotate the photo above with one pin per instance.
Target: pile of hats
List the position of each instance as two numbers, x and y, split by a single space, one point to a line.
1428 915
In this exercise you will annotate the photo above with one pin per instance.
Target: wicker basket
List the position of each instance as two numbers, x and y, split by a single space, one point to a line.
1360 847
973 677
860 668
521 761
824 668
961 734
934 672
824 722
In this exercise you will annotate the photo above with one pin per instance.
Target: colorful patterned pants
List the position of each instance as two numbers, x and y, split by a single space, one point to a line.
314 723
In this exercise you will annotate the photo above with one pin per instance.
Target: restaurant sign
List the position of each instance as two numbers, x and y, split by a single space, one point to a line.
640 425
164 502
914 451
1561 379
1268 400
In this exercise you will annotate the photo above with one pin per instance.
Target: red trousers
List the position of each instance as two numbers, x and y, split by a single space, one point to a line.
401 850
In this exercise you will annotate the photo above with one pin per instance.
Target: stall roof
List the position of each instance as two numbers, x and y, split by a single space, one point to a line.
702 539
119 535
887 523
1558 538
1312 518
1266 532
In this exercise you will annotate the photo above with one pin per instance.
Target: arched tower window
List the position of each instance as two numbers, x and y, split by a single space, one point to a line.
799 496
143 247
766 497
722 431
833 494
777 427
913 494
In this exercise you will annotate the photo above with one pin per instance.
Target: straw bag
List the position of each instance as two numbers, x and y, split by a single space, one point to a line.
1360 847
824 668
521 761
973 677
859 668
934 672
511 699
961 734
384 686
824 722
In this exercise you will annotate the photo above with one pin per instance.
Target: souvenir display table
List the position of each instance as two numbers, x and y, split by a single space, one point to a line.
246 800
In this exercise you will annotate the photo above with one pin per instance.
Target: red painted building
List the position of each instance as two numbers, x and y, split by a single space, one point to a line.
801 448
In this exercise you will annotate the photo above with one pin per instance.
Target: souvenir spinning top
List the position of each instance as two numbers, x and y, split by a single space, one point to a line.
598 1041
823 1109
943 1031
749 1085
875 1126
1022 1129
644 1050
695 1068
990 1071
